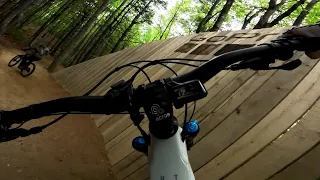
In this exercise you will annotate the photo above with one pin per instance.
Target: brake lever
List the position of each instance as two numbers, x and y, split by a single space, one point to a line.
265 66
9 135
258 63
289 66
13 134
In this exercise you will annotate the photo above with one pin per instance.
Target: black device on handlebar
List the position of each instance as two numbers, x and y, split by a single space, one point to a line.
159 97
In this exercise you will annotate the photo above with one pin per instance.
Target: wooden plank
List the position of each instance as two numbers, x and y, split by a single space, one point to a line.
115 127
246 116
123 148
78 76
292 144
93 78
125 167
143 54
124 163
306 167
81 77
198 48
152 70
61 74
140 162
84 65
156 74
64 76
103 119
107 64
167 73
140 174
159 72
279 119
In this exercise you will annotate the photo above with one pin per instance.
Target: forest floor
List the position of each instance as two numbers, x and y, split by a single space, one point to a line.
70 149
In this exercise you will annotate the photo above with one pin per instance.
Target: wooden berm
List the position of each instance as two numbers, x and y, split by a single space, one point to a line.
254 124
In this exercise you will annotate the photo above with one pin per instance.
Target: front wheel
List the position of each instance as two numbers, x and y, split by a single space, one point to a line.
27 71
14 61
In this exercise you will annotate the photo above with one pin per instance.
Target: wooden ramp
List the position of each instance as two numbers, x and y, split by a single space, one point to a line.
254 124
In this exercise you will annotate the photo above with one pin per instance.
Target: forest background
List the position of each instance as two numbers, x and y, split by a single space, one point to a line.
79 30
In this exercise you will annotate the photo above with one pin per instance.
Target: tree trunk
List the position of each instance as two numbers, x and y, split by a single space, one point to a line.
79 50
59 34
74 42
16 20
2 2
247 20
78 57
273 7
54 17
104 39
205 20
7 6
169 25
133 22
43 13
286 13
102 31
304 13
69 34
8 18
34 12
222 16
105 33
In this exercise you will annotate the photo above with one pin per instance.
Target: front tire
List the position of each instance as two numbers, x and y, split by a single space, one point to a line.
14 61
25 72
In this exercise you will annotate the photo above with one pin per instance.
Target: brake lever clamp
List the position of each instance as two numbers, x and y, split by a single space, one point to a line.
3 126
7 134
12 134
285 54
121 91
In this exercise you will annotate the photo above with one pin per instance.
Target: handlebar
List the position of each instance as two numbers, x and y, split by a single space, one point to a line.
217 64
108 104
114 103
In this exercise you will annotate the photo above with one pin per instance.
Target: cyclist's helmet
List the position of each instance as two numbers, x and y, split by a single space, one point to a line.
43 50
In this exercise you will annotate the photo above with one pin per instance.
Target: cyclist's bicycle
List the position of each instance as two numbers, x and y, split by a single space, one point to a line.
167 143
26 65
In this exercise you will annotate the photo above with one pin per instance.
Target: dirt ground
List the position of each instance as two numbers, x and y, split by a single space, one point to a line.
70 149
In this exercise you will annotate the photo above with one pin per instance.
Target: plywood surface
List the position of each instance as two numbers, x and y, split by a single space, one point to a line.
254 124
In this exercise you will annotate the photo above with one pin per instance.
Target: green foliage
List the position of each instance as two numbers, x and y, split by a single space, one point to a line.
314 15
18 35
117 26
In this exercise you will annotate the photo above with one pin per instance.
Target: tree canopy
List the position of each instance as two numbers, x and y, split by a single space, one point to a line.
78 30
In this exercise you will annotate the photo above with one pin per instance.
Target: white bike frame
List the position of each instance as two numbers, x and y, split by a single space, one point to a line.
168 159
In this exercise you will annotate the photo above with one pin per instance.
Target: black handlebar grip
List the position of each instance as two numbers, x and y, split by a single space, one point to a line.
272 51
84 104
